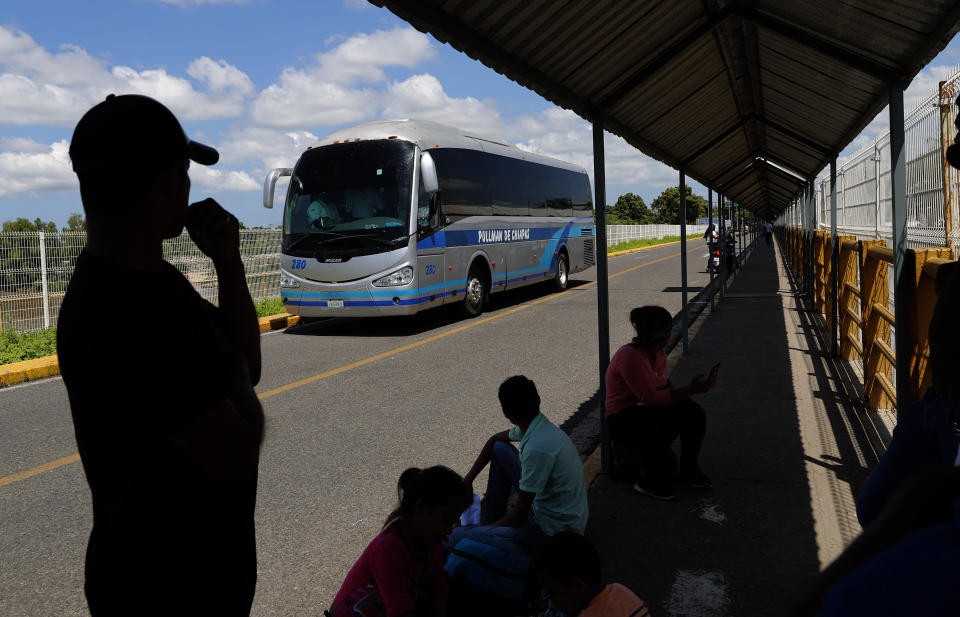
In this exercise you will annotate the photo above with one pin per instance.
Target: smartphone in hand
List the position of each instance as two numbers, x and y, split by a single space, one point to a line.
714 370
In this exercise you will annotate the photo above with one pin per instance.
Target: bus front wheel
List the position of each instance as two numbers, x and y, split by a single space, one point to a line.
563 273
476 293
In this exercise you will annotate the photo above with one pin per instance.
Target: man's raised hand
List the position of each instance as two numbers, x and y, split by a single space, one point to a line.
215 231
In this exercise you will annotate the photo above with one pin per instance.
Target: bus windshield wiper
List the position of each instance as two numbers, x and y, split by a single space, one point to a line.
367 237
314 234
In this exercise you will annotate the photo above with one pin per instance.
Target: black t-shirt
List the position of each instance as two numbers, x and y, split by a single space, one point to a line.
142 354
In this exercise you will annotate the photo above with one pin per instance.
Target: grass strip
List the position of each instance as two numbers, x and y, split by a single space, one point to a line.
19 346
269 306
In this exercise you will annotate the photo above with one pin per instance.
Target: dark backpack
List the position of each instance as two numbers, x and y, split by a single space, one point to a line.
490 564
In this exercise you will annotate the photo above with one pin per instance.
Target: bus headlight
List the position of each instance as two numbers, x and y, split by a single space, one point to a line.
288 282
402 276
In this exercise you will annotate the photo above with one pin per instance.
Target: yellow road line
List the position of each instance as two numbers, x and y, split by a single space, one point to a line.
28 473
23 475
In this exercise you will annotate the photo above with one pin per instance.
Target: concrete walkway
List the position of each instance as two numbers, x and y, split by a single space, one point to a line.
788 446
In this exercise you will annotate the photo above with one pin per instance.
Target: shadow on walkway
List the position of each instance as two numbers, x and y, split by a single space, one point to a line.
788 446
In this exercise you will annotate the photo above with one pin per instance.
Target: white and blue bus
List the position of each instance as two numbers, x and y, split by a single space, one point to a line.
393 217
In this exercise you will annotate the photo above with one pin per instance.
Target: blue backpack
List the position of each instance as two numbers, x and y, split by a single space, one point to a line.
490 564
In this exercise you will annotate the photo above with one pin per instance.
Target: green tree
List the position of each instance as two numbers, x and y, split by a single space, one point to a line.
667 206
22 224
76 222
630 209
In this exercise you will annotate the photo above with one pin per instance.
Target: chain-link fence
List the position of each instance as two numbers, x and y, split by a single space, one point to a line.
864 202
35 268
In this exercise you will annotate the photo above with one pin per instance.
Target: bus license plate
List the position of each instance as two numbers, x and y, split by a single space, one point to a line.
334 303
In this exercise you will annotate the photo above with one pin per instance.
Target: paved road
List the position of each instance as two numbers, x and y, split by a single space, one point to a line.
349 404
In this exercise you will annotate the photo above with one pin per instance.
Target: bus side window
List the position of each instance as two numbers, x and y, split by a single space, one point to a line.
537 180
558 196
582 199
508 186
464 181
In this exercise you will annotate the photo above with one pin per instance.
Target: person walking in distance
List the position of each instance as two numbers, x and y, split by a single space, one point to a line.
166 419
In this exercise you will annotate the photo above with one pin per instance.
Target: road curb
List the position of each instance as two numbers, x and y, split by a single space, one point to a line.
19 372
642 248
48 366
278 322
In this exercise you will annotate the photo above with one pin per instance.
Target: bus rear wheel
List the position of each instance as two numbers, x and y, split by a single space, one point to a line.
476 294
562 279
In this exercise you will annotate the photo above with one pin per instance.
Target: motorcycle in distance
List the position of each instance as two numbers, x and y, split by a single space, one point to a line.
713 253
713 256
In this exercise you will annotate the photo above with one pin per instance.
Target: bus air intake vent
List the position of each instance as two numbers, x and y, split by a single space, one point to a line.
586 231
588 258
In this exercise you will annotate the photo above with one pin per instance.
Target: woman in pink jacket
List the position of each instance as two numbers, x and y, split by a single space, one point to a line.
646 413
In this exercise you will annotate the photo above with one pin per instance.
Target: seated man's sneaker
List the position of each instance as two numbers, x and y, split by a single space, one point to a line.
694 478
657 490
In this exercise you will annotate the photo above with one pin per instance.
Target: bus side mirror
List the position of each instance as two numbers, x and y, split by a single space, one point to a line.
270 183
428 173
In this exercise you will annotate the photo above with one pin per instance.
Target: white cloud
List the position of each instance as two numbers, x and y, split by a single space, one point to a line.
25 101
271 147
299 101
39 87
323 94
34 171
20 54
220 76
23 145
422 97
179 94
361 57
222 180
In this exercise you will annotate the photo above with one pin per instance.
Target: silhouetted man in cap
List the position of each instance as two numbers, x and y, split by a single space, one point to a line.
160 381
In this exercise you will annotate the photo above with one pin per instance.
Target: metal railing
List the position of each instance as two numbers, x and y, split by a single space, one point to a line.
865 314
35 269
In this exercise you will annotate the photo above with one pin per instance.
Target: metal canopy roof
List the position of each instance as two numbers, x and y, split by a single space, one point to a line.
749 97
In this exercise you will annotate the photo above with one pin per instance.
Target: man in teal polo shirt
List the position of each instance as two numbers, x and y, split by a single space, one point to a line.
545 468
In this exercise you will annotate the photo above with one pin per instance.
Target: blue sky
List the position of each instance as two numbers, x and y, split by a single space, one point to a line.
259 80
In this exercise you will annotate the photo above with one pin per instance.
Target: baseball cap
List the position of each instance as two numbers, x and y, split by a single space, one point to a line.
132 129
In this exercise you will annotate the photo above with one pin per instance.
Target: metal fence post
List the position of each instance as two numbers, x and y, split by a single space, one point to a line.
710 246
946 132
722 221
43 281
603 310
683 260
834 262
876 167
901 293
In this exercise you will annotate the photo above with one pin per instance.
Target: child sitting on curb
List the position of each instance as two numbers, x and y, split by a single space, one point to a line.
401 571
568 568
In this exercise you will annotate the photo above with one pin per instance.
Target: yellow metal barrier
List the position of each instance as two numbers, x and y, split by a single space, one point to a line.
875 334
921 266
865 320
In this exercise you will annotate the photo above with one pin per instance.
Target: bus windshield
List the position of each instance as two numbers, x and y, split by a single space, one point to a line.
357 189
